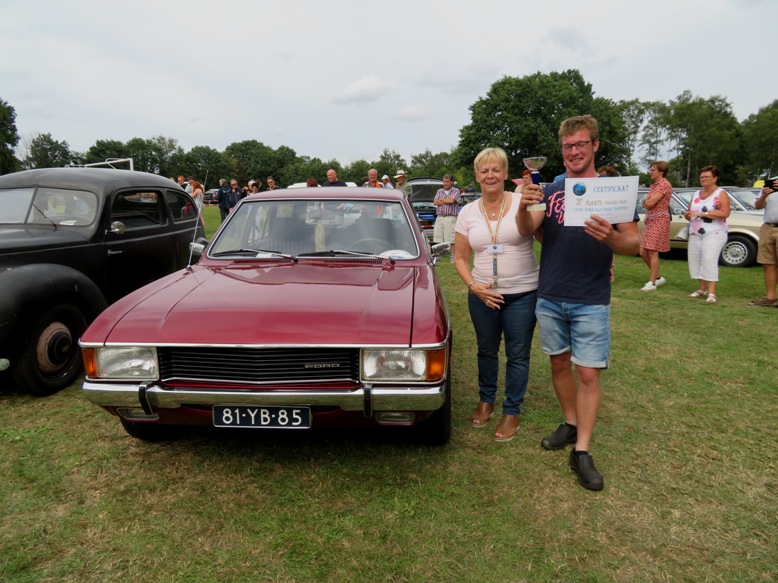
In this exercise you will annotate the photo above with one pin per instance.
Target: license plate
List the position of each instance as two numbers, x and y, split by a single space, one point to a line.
262 417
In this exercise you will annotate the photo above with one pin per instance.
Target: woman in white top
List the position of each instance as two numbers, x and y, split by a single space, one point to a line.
197 193
708 211
502 289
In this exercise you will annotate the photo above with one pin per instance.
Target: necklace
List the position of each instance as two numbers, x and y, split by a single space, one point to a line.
492 213
494 247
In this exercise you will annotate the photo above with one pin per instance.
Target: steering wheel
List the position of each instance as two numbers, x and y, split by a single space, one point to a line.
374 245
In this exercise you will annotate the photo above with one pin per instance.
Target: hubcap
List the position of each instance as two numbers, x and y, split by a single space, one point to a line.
734 253
54 348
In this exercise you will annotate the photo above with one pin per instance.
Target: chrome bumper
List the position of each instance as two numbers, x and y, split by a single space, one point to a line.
367 399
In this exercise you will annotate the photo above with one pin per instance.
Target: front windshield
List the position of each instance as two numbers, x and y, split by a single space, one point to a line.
261 228
47 206
735 203
747 198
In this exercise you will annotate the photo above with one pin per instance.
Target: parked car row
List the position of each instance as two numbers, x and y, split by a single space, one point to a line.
742 241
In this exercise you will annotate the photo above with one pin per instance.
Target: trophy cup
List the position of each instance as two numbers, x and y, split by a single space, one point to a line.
534 164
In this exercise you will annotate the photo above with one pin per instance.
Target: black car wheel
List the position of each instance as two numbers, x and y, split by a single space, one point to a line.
739 251
436 430
51 360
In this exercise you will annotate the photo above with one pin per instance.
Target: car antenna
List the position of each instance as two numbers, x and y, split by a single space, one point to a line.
194 236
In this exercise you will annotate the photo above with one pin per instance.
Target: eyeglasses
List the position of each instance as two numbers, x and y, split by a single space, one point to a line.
705 176
578 145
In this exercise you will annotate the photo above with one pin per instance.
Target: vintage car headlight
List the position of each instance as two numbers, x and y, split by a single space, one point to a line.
124 362
427 365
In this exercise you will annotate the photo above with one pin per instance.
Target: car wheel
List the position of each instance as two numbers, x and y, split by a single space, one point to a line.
148 431
51 360
739 251
436 430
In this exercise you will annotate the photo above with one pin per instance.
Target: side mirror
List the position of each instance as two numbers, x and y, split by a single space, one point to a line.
118 228
439 249
197 248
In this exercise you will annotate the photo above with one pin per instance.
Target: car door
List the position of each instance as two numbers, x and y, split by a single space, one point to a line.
139 242
184 220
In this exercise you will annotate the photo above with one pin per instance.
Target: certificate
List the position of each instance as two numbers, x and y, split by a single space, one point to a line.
612 198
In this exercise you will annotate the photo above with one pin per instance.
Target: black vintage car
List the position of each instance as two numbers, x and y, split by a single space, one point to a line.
72 241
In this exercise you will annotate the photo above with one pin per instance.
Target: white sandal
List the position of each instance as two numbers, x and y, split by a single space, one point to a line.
711 299
698 293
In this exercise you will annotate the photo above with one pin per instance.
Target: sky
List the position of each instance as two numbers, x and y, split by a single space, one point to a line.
347 79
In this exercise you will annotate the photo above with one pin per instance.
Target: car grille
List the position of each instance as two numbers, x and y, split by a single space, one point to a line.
259 365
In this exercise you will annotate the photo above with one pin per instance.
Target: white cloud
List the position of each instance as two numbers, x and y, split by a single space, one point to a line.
364 90
348 79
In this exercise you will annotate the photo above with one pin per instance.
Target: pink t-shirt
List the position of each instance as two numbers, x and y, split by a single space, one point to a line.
517 268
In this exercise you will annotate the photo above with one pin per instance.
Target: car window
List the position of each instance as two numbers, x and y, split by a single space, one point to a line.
316 227
46 206
746 197
137 209
181 206
15 205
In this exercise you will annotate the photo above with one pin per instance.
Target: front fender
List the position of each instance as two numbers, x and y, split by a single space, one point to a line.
29 290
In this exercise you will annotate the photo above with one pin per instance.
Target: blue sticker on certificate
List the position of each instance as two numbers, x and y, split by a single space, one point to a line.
612 198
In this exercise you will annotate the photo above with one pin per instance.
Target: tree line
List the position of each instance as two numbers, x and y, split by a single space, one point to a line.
519 114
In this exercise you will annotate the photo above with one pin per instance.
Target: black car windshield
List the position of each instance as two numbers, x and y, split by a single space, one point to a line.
317 228
47 206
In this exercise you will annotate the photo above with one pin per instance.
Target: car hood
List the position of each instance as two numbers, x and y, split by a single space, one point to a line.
14 238
293 303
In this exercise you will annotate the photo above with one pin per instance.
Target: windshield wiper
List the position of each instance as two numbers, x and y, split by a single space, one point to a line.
44 215
253 253
345 252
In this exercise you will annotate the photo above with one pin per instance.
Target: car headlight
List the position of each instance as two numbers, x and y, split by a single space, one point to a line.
391 365
122 362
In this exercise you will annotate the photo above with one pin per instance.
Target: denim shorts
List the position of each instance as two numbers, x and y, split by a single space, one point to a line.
580 328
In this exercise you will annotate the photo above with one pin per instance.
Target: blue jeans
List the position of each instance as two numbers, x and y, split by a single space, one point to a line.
580 328
516 321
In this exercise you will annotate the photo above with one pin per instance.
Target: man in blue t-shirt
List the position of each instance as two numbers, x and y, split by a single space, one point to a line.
573 308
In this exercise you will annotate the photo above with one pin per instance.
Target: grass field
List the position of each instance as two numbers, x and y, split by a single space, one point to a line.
685 442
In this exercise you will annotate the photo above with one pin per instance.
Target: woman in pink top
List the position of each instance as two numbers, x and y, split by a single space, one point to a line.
502 290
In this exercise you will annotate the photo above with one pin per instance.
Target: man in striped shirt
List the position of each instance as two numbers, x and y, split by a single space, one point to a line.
447 203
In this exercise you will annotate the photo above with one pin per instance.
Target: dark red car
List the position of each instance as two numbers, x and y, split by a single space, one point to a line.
310 308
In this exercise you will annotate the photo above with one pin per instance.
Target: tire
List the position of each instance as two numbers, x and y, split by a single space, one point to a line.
148 431
51 360
436 430
739 251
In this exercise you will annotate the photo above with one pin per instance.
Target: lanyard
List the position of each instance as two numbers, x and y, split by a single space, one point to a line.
493 235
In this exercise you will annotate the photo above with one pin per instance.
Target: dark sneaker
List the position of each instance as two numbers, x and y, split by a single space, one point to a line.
564 435
588 476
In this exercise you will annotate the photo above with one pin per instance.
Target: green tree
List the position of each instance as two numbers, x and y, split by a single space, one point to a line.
304 168
168 154
206 164
522 116
435 165
250 159
356 171
389 163
706 132
760 143
103 150
634 113
654 133
9 138
44 151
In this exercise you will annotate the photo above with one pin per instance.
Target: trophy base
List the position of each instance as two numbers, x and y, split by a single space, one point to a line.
537 207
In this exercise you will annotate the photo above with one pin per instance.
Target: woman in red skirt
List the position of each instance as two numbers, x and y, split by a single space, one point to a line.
656 235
